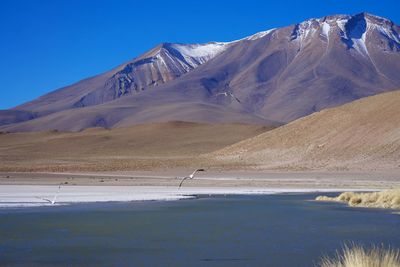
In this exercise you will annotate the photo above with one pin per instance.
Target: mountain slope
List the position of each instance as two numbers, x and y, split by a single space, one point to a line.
277 75
107 116
157 66
362 134
13 116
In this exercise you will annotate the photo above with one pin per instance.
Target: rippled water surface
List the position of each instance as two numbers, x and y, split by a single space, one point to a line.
274 230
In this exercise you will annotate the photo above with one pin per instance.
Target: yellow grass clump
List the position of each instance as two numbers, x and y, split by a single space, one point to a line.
389 199
357 256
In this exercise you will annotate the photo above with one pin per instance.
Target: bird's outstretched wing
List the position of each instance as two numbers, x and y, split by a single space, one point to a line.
44 199
198 170
56 195
184 178
191 176
54 198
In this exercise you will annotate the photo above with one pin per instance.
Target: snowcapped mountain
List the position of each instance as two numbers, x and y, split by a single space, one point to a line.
162 64
278 75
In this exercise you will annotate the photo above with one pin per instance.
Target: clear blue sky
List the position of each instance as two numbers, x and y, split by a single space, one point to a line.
47 44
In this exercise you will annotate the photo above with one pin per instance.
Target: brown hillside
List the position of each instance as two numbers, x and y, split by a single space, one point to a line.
139 147
364 134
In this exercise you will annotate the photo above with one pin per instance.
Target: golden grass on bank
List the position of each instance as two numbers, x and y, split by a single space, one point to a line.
389 199
357 256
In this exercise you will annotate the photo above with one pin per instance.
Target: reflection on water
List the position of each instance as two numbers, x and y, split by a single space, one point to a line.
276 230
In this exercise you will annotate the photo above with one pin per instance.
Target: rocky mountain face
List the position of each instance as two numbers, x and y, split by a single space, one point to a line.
164 63
160 65
272 77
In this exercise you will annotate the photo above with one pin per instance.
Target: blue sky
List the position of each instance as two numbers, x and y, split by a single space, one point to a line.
47 44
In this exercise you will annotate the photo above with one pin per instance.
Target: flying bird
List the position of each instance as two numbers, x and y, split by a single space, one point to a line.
53 201
229 94
190 176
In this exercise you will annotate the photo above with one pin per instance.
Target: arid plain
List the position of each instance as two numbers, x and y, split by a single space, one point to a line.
334 148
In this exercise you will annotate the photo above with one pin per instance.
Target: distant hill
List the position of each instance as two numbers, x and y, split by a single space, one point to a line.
149 146
364 134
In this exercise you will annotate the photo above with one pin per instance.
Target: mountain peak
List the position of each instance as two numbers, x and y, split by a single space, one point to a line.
346 26
362 15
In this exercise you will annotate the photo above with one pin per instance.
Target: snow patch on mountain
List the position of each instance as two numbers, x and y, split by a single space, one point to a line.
259 35
303 32
341 23
389 33
326 28
360 46
254 37
197 54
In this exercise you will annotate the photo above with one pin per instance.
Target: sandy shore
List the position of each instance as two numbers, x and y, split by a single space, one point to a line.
27 189
33 195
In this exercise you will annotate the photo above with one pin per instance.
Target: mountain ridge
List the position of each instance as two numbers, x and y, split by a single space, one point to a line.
278 75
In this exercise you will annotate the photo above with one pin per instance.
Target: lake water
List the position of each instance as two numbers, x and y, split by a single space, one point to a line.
273 230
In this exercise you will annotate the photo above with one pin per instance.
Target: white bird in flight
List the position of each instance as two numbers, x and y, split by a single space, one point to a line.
226 93
53 201
191 176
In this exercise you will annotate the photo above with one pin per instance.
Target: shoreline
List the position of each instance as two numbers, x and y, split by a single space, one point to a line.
19 196
26 189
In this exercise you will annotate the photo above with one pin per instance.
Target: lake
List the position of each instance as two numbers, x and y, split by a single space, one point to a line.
251 230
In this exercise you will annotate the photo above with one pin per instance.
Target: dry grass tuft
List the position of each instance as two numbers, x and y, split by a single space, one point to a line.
389 199
357 256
